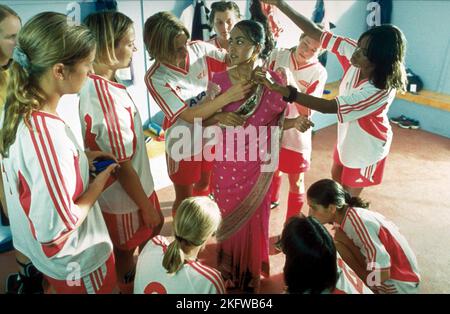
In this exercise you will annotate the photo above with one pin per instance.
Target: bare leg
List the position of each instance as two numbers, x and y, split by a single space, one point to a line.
336 172
181 192
203 184
125 267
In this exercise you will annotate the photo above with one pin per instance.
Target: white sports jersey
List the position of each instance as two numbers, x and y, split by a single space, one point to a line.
383 247
310 78
192 278
364 132
110 122
45 173
348 281
176 89
215 66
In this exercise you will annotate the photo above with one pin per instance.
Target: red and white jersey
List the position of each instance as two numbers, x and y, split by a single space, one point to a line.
383 247
45 173
309 78
193 277
175 89
348 281
364 132
110 122
215 66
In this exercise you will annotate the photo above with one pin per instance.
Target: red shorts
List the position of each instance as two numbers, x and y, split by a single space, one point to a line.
360 177
100 281
127 231
208 165
189 171
292 162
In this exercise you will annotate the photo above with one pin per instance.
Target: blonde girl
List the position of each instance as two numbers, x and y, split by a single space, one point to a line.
55 219
111 123
173 268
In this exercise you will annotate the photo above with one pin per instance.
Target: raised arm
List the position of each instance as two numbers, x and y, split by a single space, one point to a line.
306 25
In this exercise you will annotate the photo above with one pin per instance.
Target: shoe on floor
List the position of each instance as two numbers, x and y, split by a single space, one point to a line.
399 119
409 124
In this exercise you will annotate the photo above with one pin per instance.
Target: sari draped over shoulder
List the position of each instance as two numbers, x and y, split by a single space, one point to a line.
246 159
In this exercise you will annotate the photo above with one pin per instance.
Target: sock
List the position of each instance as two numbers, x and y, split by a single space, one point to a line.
276 184
295 204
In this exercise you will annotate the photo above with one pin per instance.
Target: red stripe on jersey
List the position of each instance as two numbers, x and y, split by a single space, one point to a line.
373 124
350 41
152 90
134 133
115 128
302 67
351 277
89 137
46 174
161 102
180 70
53 249
217 276
93 76
361 236
110 133
206 275
326 37
364 234
79 181
400 266
343 60
63 188
25 200
114 113
363 104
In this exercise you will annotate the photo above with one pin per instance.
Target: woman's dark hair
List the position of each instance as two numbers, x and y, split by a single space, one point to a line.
223 6
310 265
257 29
325 192
386 50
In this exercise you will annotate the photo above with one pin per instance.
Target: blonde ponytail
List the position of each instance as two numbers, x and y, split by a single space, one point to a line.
196 220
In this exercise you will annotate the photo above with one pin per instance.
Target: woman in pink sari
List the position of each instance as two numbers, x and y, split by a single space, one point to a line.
245 161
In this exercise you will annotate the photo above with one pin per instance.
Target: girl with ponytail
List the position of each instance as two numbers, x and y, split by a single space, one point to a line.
369 243
173 268
55 219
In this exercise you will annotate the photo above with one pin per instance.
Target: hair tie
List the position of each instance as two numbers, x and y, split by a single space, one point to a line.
21 58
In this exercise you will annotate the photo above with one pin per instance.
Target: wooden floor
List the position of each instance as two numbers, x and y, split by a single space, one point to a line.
415 195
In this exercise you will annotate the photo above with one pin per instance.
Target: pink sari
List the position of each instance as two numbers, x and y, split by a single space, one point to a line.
241 189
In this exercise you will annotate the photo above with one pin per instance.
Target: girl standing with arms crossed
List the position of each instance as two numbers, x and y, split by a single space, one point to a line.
370 244
55 219
373 72
111 123
173 268
178 82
